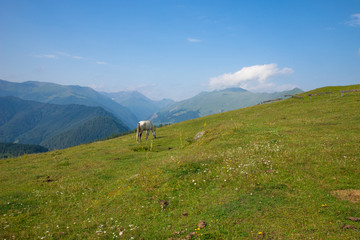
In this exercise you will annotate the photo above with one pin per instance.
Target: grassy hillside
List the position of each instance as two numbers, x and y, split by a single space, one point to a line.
284 170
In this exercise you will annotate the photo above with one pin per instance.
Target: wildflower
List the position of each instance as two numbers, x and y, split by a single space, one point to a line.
324 205
260 233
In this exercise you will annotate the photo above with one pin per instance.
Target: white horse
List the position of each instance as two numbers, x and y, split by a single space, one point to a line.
145 125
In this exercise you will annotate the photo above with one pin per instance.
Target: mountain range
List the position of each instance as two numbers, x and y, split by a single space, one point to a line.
58 116
59 94
52 125
139 104
207 103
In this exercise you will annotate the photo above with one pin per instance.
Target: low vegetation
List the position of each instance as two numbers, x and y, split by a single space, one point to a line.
284 170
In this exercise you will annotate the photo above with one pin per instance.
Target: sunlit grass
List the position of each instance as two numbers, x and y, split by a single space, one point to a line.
264 172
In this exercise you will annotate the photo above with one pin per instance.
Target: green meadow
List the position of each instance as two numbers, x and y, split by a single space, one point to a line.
284 170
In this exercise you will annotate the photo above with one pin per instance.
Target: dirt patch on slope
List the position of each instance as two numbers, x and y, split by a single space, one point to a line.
352 195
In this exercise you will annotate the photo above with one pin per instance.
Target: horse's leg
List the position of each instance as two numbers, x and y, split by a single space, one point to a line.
140 134
147 134
137 132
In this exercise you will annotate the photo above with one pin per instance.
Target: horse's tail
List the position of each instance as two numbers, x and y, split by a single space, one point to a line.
137 132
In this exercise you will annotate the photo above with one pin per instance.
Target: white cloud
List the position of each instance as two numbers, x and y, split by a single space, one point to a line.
78 57
45 56
355 20
65 55
251 78
194 40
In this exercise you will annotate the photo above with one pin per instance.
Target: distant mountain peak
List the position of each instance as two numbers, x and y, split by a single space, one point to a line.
234 89
142 106
207 103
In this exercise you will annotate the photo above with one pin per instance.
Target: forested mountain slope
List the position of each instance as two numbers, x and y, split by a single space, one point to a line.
54 126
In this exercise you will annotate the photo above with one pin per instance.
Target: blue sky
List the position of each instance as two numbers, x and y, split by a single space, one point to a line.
176 49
